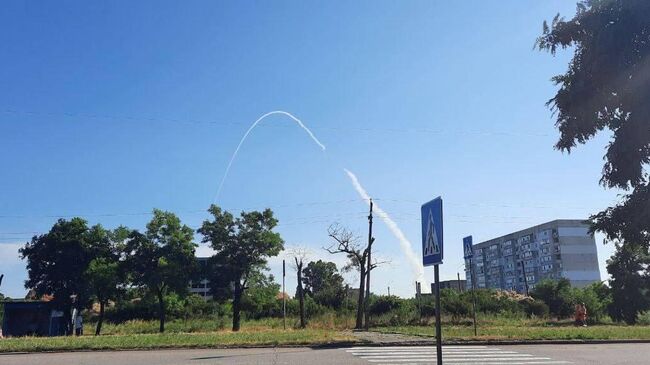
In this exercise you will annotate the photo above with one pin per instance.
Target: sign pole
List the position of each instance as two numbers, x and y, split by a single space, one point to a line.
432 255
436 277
284 298
468 250
471 270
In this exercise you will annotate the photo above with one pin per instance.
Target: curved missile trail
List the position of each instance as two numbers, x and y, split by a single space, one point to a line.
416 265
407 248
241 142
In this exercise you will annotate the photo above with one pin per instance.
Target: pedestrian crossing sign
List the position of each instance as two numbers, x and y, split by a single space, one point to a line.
432 244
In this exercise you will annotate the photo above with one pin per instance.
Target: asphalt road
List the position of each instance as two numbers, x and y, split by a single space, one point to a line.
453 355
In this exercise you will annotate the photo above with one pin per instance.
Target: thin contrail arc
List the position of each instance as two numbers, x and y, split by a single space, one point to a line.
407 248
241 142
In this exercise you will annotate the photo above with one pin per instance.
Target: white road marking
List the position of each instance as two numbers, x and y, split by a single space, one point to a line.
456 355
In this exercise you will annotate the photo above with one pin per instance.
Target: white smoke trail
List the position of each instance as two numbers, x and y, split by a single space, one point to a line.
241 142
407 248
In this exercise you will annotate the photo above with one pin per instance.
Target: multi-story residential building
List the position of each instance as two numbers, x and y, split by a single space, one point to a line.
557 249
201 287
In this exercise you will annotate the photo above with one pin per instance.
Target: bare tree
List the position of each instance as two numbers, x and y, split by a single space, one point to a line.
348 243
299 255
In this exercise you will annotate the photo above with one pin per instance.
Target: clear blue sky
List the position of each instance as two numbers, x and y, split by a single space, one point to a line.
111 109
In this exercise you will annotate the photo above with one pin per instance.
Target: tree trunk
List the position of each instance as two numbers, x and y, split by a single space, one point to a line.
161 311
69 327
361 301
100 320
301 297
236 307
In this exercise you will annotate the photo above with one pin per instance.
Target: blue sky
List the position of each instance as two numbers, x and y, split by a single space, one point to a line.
111 109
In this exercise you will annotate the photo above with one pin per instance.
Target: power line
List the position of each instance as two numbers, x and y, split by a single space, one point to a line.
417 130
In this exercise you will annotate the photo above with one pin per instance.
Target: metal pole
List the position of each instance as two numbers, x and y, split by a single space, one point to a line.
471 273
370 241
284 297
436 277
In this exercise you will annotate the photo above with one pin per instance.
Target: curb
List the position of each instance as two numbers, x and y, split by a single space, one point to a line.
430 341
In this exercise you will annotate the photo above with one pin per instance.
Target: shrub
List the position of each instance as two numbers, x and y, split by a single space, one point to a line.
558 295
384 304
534 307
643 318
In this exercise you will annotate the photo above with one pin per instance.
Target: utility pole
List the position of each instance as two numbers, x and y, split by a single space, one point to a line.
370 241
460 290
389 291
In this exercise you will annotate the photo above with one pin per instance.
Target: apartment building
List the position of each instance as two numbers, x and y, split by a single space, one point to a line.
201 287
517 261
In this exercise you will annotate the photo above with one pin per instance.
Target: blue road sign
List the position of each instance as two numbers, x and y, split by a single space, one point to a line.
432 232
468 249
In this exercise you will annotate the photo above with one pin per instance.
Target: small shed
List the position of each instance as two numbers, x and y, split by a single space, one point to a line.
32 318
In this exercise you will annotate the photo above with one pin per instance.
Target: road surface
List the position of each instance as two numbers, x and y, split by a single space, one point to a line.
453 355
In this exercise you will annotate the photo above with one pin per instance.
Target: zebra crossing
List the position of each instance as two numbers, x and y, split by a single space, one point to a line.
453 355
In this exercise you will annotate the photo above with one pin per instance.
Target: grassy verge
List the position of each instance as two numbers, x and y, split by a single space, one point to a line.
177 340
552 331
215 324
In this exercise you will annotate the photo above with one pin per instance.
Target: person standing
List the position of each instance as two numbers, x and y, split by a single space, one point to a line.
581 315
77 322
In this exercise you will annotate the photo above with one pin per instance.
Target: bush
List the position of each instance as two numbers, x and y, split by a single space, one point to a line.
643 318
558 295
384 304
454 304
535 307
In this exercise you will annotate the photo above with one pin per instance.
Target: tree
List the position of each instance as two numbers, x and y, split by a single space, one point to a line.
261 298
629 284
242 247
607 86
162 260
299 255
557 295
347 243
324 283
104 273
299 289
56 262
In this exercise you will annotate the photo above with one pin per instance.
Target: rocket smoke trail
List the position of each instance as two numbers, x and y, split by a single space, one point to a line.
416 265
241 142
407 248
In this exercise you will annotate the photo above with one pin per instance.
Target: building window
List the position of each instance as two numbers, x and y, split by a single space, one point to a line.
530 278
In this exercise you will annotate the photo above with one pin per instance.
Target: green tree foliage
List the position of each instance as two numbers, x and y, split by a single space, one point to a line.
162 260
56 262
607 86
242 247
104 274
261 299
557 295
629 282
324 283
452 302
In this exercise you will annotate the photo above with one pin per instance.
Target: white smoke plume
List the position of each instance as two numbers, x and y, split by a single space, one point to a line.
241 142
405 244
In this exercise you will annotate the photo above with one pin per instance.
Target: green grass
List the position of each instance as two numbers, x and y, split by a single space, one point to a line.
512 329
177 340
328 321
